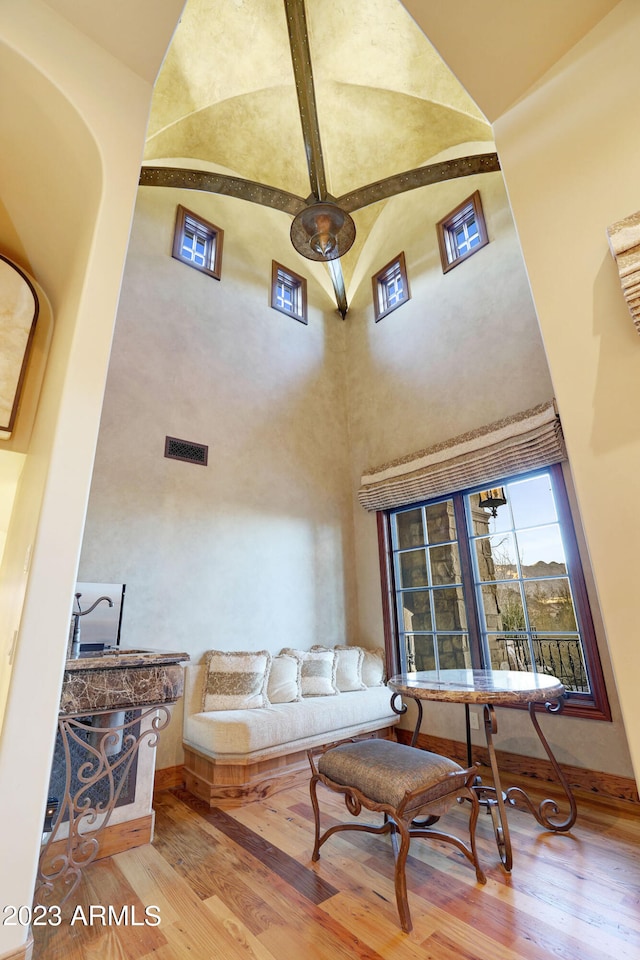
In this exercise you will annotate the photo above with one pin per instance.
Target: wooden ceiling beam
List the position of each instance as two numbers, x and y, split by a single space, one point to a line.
305 90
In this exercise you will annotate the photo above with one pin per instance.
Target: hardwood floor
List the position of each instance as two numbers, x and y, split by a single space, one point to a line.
239 885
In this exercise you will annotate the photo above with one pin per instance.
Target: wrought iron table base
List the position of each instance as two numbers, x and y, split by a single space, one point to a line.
494 797
86 817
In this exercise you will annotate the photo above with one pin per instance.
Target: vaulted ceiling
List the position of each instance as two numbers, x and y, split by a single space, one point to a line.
378 104
226 94
288 102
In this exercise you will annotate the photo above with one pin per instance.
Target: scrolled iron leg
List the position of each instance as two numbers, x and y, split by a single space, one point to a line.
402 709
88 818
547 808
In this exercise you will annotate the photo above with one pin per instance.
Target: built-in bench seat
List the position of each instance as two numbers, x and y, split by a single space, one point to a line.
235 756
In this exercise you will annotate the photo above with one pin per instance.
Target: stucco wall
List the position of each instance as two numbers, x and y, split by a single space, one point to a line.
464 351
569 151
254 550
257 549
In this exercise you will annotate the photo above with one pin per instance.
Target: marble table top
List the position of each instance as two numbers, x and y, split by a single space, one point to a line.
478 686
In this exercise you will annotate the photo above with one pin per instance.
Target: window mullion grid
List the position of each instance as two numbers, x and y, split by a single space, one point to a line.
468 578
399 614
523 597
592 704
432 592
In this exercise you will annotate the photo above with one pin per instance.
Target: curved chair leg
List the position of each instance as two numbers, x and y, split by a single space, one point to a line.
473 820
400 875
399 823
316 816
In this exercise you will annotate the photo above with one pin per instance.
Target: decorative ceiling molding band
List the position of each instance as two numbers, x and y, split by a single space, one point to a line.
419 177
525 441
186 179
303 75
624 242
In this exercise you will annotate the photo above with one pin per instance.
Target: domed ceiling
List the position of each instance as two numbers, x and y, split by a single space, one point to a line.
288 102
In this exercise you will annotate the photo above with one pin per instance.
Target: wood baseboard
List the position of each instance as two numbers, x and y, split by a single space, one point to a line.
167 778
24 952
234 784
607 786
115 838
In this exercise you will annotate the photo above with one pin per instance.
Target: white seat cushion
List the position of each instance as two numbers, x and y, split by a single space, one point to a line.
234 734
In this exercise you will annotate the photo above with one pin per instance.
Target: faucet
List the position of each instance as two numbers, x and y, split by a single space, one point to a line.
73 650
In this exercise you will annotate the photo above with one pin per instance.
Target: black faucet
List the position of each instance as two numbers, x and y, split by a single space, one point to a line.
74 638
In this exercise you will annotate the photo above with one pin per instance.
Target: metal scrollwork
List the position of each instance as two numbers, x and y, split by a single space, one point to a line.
547 812
400 710
555 706
107 763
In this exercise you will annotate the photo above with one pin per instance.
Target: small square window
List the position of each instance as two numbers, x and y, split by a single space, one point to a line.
288 292
198 243
390 287
462 232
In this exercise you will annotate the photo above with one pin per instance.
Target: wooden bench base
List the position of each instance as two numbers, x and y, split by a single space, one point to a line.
222 784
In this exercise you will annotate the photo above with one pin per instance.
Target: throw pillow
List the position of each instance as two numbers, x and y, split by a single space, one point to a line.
373 668
317 671
348 667
284 684
235 681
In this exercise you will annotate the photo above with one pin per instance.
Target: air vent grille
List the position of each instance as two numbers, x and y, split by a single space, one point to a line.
176 449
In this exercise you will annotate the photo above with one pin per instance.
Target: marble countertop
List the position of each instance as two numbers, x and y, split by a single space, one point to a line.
117 658
121 679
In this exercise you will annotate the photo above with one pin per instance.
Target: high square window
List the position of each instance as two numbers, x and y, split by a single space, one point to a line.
288 292
198 242
462 232
390 287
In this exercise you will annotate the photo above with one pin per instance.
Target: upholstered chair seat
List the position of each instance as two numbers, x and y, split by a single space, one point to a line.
412 788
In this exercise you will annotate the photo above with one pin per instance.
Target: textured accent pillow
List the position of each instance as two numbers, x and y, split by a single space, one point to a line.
235 681
284 685
348 667
373 668
317 673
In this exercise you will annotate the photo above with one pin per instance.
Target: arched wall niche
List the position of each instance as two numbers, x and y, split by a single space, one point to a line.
50 197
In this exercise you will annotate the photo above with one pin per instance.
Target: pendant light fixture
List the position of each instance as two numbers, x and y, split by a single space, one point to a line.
322 231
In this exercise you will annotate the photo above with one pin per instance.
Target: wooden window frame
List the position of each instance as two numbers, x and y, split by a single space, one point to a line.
300 284
595 705
446 227
377 282
214 234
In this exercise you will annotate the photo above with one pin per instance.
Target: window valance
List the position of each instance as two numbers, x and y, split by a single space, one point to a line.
519 443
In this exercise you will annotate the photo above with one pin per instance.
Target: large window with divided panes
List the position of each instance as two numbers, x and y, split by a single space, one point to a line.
492 578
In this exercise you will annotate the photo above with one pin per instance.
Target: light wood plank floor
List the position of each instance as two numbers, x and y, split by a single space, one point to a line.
240 885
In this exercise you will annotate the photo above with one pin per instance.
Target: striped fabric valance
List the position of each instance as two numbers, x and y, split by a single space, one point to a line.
522 442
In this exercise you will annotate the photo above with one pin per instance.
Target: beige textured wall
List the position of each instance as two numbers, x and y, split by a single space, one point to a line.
464 351
258 550
253 551
569 150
